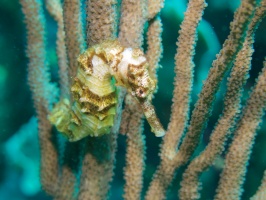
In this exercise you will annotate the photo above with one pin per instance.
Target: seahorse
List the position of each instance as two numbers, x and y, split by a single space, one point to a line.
100 69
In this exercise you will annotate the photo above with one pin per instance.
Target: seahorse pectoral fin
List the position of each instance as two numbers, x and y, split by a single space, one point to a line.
149 112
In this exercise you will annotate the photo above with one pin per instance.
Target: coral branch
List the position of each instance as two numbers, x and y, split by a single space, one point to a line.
135 155
222 64
131 34
155 49
238 155
55 9
239 152
190 184
181 99
101 21
98 162
44 93
99 155
154 7
131 23
74 34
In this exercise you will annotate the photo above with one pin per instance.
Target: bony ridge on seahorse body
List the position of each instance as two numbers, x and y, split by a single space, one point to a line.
101 68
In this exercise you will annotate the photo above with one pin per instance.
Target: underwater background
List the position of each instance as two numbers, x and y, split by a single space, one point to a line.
19 148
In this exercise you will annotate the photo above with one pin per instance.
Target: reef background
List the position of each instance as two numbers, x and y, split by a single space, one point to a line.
19 179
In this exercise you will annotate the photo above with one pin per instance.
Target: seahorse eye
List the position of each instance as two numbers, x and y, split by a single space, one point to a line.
141 93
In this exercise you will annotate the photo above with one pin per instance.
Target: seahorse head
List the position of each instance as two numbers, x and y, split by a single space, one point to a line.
132 73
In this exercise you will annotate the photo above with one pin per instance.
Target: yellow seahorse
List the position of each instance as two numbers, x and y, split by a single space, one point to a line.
101 68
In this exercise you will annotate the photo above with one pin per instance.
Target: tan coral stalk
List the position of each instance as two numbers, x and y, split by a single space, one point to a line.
131 23
56 11
180 107
190 184
44 93
238 155
155 49
74 33
101 24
